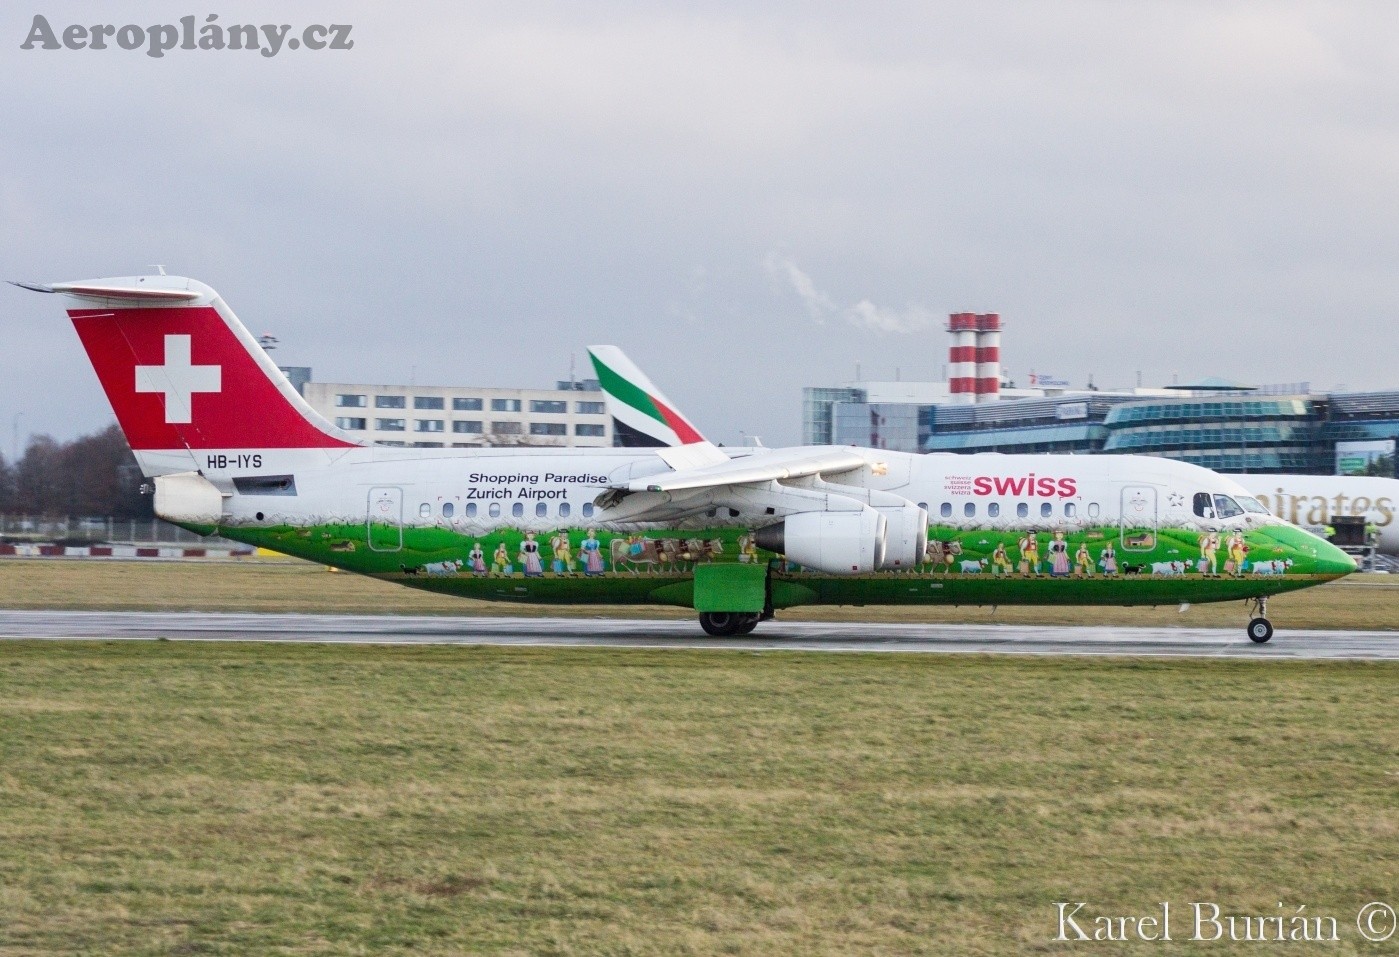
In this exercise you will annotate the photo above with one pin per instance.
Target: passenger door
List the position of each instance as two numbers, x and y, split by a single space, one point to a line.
1138 518
384 523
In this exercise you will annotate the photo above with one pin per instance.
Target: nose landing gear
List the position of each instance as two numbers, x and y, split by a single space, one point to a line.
1260 629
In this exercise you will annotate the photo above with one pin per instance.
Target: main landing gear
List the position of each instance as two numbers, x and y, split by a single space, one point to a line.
727 624
1260 629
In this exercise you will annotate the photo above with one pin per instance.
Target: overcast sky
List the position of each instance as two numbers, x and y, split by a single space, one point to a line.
747 197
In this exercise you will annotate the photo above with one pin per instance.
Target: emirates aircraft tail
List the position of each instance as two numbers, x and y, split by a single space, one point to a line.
189 384
643 417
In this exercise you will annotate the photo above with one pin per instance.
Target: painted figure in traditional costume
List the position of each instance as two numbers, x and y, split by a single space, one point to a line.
1000 561
500 561
563 553
529 557
1030 554
1209 551
476 559
1083 562
1058 556
1238 551
592 554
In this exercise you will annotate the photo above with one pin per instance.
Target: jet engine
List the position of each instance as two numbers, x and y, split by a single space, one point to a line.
839 543
907 540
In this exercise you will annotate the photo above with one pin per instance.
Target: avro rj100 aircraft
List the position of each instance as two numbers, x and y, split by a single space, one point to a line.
735 534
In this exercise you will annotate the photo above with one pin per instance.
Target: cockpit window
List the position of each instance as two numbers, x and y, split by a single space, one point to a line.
1251 505
1204 505
1226 507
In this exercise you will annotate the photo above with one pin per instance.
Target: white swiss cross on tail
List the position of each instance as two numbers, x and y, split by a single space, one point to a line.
178 379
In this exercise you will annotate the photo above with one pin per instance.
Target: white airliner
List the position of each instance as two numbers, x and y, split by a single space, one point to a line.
1316 499
234 450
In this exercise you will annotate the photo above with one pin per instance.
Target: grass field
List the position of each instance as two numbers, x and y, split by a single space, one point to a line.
180 798
173 798
1359 602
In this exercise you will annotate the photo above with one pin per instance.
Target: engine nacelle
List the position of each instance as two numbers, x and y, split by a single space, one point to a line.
838 543
907 541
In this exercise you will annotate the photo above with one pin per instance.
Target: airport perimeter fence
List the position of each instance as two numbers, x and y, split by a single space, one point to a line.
16 529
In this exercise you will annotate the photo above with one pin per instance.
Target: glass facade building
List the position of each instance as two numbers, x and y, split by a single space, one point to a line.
1232 432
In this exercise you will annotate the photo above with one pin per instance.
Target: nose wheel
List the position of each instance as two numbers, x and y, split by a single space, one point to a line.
1260 629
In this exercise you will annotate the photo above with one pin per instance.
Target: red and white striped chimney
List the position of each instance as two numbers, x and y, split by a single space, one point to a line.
988 357
961 358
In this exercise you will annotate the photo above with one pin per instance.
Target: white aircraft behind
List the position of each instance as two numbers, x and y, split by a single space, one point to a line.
1316 499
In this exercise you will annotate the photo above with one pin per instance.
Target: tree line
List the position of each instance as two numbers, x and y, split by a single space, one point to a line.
92 475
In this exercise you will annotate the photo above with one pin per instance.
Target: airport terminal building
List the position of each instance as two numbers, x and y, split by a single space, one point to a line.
1224 426
423 416
1255 432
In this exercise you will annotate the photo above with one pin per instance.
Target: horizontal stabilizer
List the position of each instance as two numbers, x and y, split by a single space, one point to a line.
133 294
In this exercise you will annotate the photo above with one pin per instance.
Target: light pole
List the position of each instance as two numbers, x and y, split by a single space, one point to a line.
14 428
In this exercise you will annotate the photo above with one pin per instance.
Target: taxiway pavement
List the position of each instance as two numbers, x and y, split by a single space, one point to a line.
669 634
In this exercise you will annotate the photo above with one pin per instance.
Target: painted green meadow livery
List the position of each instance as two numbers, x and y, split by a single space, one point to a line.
976 567
735 534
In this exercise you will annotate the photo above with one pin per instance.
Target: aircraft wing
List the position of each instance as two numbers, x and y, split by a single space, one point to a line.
766 467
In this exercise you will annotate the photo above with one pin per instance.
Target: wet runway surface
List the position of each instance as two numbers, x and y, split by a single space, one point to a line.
644 633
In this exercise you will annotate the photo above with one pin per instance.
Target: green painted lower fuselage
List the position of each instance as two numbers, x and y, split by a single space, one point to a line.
1091 566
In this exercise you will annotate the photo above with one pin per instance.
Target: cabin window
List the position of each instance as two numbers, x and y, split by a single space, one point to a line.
425 510
541 509
969 510
1022 510
923 506
1204 505
946 510
994 510
1226 507
1093 510
470 509
1070 509
495 510
518 510
564 509
587 509
1046 509
448 509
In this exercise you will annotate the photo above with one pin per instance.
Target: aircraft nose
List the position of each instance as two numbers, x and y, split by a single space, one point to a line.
1332 562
